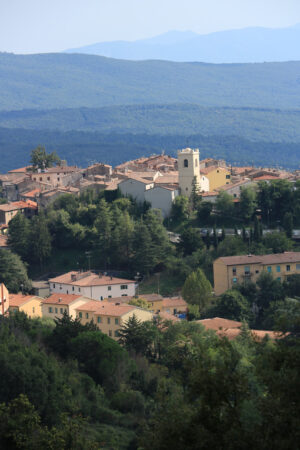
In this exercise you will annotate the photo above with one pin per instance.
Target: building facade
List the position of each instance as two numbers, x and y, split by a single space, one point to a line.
232 270
91 285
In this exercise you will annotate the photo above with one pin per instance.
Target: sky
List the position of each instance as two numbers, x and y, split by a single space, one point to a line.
40 26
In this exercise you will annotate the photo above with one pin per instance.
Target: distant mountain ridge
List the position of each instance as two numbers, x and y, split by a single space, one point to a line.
56 80
247 45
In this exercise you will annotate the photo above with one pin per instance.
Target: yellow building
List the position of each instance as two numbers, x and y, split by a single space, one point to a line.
110 317
174 305
29 304
217 176
232 270
57 304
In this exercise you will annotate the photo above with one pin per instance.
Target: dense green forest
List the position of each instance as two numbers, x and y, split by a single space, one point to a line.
255 124
73 81
68 386
83 148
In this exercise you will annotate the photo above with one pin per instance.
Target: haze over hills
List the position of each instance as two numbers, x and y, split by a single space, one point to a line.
96 108
255 44
48 81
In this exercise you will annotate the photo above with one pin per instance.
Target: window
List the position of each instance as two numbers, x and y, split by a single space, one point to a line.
288 268
247 270
108 320
57 179
80 315
53 285
50 309
65 310
110 333
234 280
227 177
124 295
277 268
109 288
56 310
257 271
297 266
41 179
185 163
48 178
61 310
79 289
98 319
117 321
60 287
124 286
73 288
87 315
33 309
269 269
234 271
101 297
116 334
109 296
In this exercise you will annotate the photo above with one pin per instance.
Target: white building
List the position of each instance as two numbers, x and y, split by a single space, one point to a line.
91 285
161 197
135 187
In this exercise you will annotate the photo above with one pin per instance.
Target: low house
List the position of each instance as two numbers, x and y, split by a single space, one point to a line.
4 299
9 210
135 187
162 197
92 285
217 176
57 305
174 305
109 317
232 270
154 301
235 189
29 304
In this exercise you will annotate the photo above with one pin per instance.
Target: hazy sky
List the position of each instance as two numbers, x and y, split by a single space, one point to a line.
31 26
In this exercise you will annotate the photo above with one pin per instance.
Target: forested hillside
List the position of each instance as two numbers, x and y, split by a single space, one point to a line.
72 80
83 148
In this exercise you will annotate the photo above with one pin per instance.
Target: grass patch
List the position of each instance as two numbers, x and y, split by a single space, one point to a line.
162 283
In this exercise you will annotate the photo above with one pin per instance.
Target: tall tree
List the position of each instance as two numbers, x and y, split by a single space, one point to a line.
40 240
247 203
103 224
13 272
197 289
19 235
40 159
288 224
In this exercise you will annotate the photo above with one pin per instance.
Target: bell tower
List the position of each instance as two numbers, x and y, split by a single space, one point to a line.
188 170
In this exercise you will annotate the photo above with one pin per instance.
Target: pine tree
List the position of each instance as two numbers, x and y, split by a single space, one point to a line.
40 241
18 235
13 272
197 289
288 224
215 238
256 233
103 224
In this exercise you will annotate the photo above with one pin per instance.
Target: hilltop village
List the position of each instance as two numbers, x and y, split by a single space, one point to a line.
145 286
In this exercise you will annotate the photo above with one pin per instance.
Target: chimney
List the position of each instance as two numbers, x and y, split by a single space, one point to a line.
73 277
111 277
60 300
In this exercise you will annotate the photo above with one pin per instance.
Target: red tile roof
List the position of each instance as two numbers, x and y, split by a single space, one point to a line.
105 308
217 323
13 206
61 299
275 258
17 300
174 302
88 279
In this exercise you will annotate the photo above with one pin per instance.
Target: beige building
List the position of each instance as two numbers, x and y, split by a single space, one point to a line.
4 299
217 176
189 170
29 304
232 270
110 317
174 305
57 305
9 210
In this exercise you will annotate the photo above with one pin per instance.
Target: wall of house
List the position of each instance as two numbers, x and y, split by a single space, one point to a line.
162 199
135 189
95 292
58 309
221 281
204 183
33 308
4 299
218 178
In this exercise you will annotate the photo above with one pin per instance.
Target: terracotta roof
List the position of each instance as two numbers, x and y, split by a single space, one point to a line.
166 316
212 168
59 169
20 170
61 299
232 333
170 178
266 177
226 187
116 300
217 323
132 176
175 301
32 193
88 279
17 300
105 308
286 257
13 206
151 297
